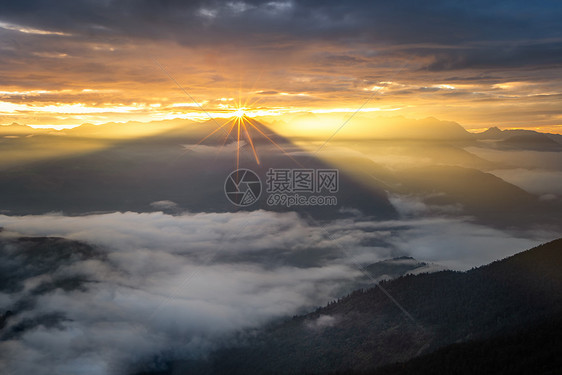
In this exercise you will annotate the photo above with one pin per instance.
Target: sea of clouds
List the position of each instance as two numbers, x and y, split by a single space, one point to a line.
177 286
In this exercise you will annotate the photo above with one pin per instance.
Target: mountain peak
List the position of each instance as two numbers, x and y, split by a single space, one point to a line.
494 130
491 133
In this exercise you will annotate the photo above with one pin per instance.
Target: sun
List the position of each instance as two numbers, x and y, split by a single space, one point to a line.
243 128
239 113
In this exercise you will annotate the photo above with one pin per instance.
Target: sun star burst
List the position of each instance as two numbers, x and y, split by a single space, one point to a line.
240 126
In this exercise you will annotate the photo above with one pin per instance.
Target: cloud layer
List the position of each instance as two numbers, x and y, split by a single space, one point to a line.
177 286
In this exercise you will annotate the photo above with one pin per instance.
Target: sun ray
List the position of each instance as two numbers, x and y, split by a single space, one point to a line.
245 126
251 142
238 146
253 104
228 134
214 131
226 138
248 98
273 142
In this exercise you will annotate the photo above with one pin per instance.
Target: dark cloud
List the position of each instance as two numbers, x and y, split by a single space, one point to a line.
397 21
280 23
508 56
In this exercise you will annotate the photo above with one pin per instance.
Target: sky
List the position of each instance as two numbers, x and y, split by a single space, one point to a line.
480 63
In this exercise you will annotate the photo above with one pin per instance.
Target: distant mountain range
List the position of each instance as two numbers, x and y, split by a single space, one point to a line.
388 128
424 129
522 139
494 306
100 168
115 130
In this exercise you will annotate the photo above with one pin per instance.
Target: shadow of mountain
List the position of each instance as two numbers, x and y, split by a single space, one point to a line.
129 175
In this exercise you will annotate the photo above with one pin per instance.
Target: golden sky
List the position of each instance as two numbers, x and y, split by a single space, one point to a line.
79 62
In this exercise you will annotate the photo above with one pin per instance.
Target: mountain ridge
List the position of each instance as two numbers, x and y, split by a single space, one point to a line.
531 139
365 330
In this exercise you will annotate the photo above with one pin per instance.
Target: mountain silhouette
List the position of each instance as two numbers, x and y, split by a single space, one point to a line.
522 139
429 128
530 350
531 141
491 133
